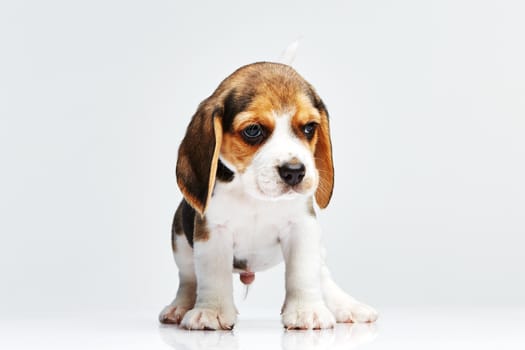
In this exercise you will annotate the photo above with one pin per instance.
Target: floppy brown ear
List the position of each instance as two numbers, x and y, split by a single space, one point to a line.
323 160
199 155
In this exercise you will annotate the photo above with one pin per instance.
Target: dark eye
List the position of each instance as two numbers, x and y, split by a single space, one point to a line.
309 130
253 133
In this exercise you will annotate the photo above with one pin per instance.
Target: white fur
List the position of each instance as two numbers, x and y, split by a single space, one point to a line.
289 54
257 217
185 298
261 179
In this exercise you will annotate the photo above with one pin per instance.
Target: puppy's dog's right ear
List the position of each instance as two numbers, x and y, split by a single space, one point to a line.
199 156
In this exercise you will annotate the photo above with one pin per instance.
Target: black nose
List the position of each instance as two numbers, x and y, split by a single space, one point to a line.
292 174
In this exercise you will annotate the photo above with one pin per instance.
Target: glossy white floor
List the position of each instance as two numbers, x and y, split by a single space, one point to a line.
424 328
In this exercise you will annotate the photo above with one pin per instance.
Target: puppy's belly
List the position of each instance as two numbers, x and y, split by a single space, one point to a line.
258 259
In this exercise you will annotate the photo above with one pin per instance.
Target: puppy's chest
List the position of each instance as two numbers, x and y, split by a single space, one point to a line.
255 227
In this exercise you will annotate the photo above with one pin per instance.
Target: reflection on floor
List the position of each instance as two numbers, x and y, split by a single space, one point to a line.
400 328
260 334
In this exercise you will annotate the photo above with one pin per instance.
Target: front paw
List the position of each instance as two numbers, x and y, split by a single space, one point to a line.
307 315
209 319
354 311
172 314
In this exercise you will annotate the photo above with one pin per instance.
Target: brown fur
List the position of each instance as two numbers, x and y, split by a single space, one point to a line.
201 232
305 113
234 149
324 163
311 209
198 157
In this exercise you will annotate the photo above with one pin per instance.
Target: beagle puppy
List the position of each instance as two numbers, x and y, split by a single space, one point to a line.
255 155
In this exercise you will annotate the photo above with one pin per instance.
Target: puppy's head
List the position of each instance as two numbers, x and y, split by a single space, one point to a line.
266 124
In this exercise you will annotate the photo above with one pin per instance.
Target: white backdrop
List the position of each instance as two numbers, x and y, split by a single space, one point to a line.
428 121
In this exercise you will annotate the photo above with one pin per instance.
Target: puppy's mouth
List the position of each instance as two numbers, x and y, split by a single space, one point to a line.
296 190
282 191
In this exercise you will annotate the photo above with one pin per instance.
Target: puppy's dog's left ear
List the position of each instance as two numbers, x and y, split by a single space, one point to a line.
199 156
323 157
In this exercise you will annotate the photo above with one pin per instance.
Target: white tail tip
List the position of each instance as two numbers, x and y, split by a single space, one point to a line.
289 54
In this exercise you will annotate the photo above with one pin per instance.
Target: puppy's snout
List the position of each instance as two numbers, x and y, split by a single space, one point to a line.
292 173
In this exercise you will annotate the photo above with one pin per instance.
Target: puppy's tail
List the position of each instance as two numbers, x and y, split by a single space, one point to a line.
288 56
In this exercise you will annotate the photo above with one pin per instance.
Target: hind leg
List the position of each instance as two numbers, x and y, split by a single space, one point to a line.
185 298
343 306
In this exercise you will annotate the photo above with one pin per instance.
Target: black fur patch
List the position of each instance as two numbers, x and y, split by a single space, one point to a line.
188 221
184 220
240 264
234 103
223 173
316 101
176 227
